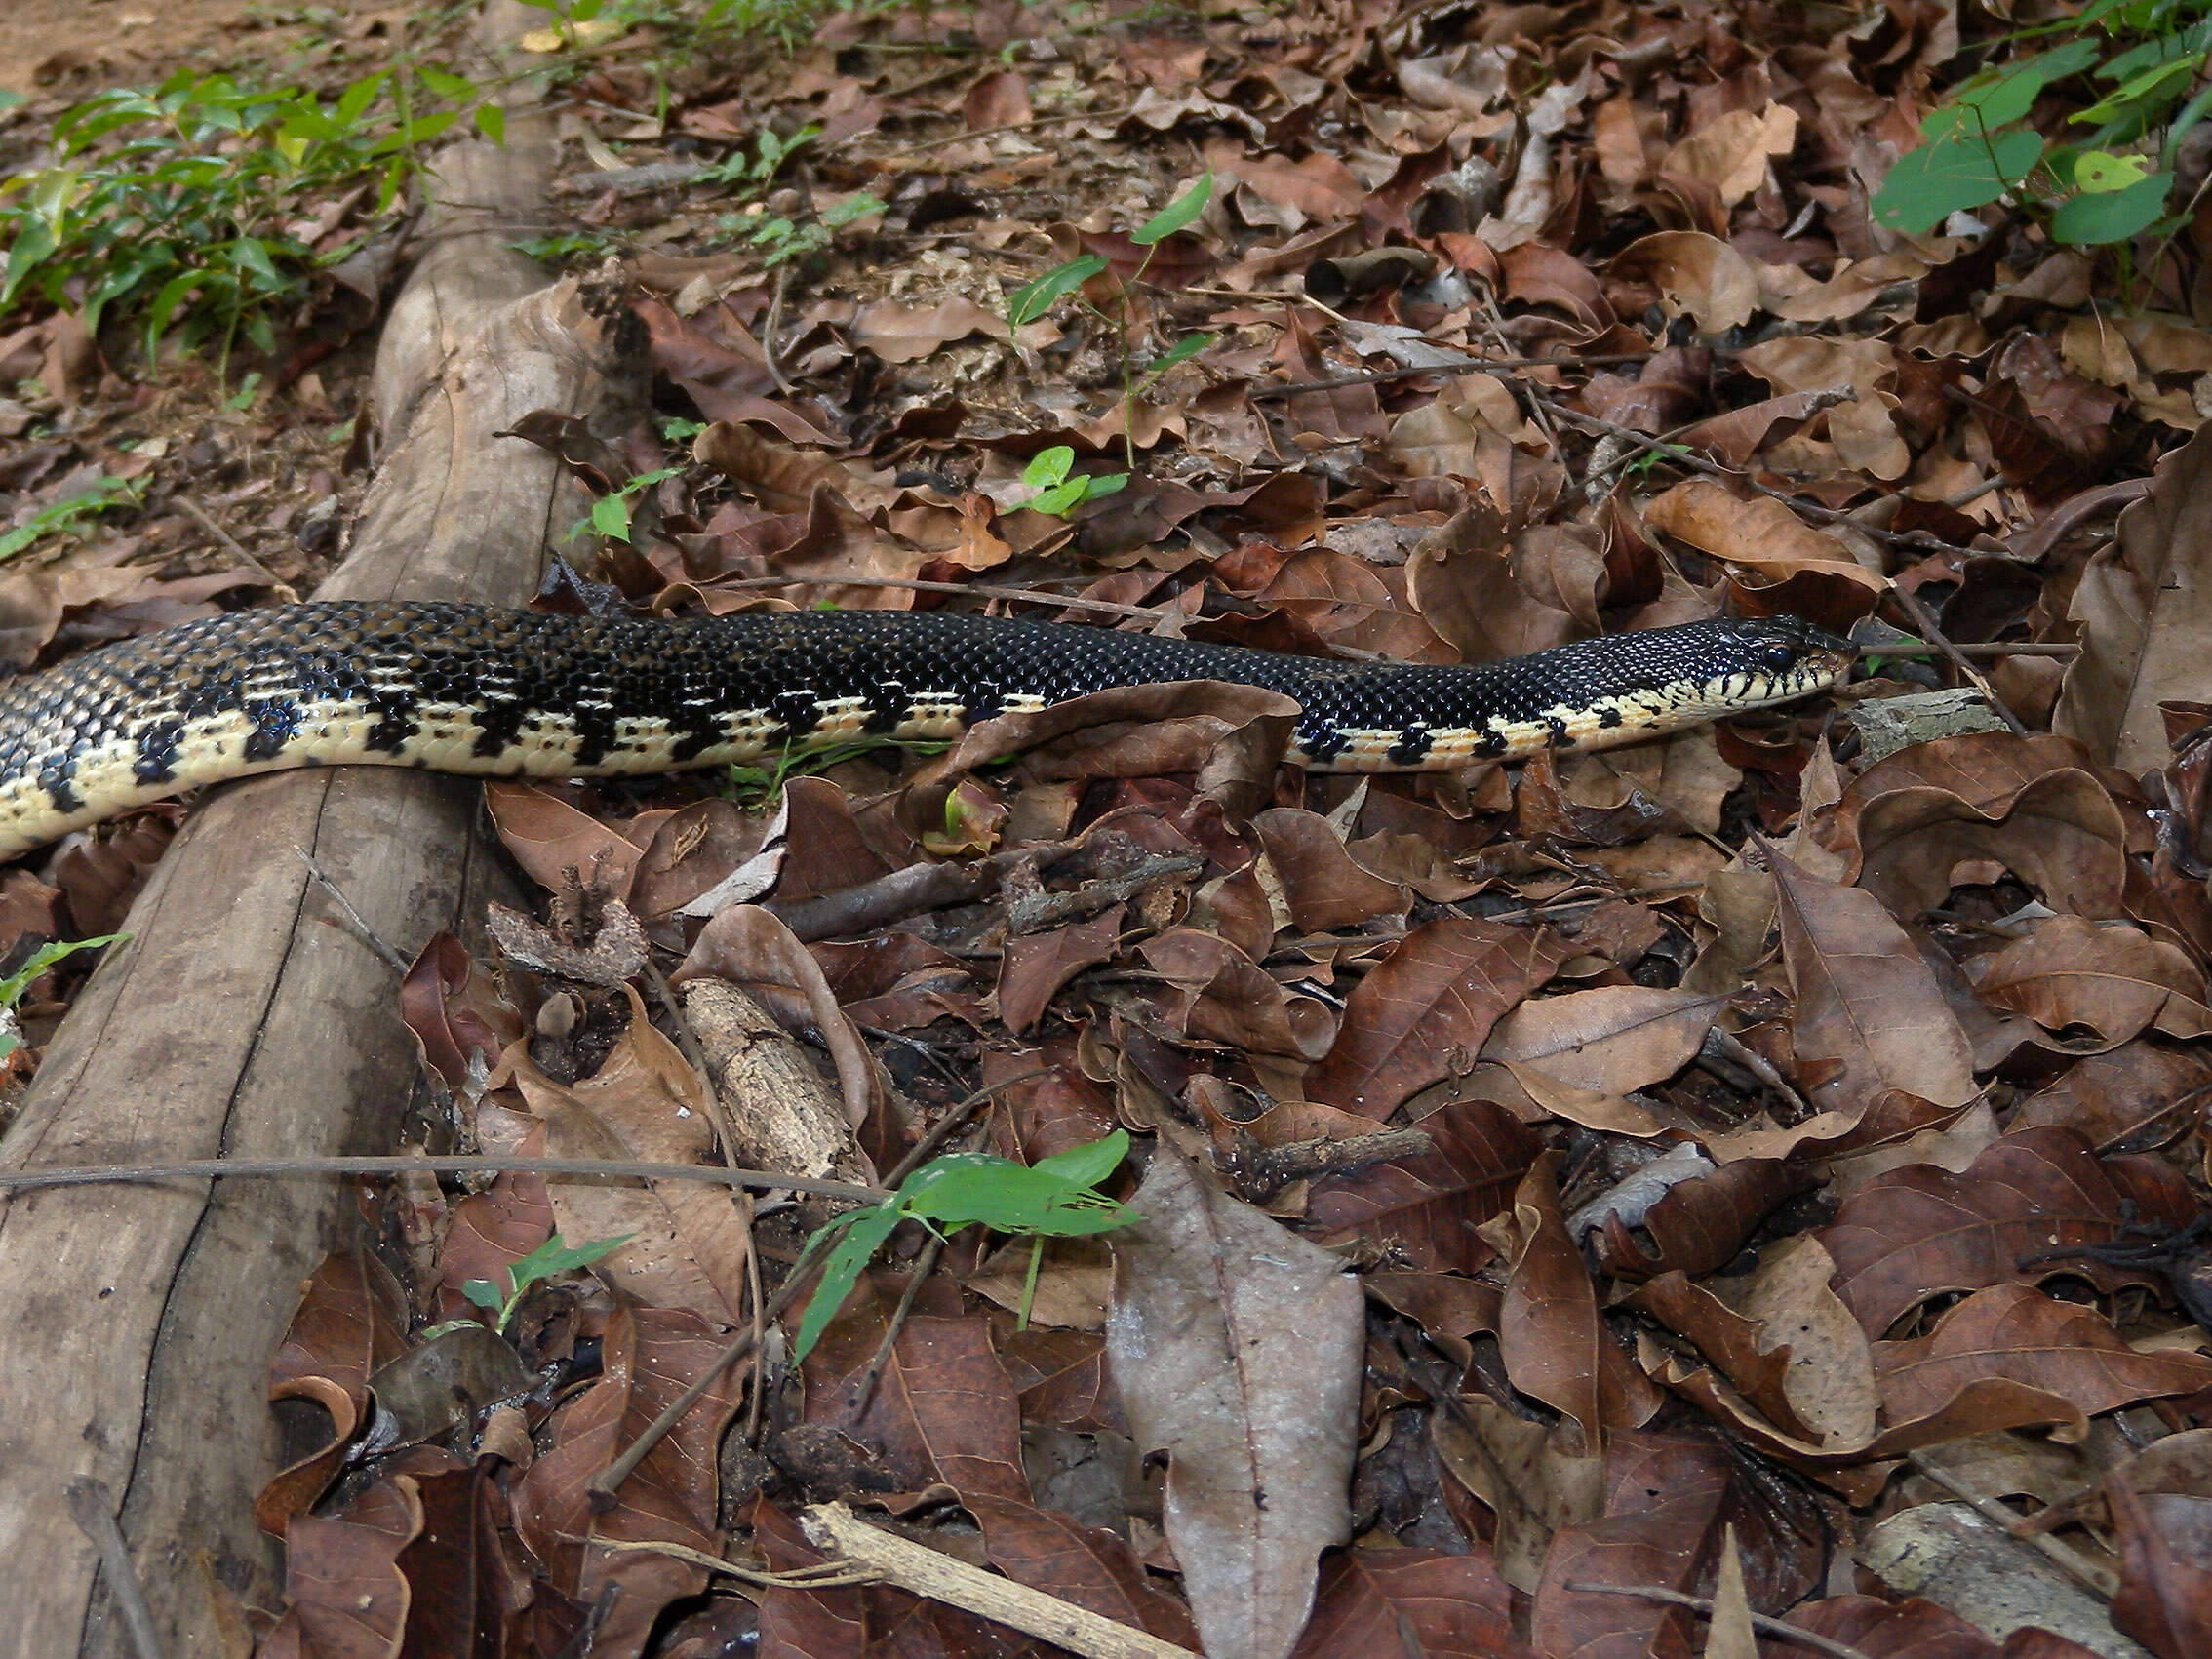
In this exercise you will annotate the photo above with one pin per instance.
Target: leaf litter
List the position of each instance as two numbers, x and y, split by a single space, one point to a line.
1749 1146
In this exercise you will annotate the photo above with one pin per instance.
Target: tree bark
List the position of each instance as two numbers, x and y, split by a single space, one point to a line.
246 1018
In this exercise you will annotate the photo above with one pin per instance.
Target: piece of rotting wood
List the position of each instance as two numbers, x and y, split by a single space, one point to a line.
242 1019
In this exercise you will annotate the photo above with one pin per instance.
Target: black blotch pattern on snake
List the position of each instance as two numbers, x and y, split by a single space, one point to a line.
496 693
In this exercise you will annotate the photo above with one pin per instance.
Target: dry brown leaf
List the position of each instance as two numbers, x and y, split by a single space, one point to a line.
1870 1018
1237 1349
1427 1010
2014 1331
1761 532
2145 608
2116 980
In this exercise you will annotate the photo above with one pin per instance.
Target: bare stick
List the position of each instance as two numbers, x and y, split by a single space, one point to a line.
91 1506
1924 621
398 963
232 545
923 1571
1703 1604
601 1168
2100 1581
924 1264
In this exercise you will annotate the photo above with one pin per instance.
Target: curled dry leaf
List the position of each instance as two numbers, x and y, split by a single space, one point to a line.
352 1319
550 839
1228 997
1761 532
2145 606
1921 1231
1555 1345
342 1573
2116 980
2069 1351
1237 1349
460 1021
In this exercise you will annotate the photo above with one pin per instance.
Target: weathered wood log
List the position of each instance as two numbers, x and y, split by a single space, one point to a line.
245 1018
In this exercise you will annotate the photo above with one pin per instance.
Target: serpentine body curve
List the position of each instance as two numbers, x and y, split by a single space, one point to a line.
493 693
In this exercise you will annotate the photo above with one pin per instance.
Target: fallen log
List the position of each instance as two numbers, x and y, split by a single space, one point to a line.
245 1018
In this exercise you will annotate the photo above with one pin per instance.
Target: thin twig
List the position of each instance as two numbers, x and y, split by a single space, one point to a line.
829 1576
924 1264
398 963
91 1506
1703 1604
768 329
600 1169
2100 1581
1992 649
1924 623
232 545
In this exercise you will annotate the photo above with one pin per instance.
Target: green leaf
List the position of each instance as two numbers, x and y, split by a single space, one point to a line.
2101 219
491 122
483 1293
2100 172
1060 497
610 517
865 1231
1929 184
1183 352
1089 1165
13 987
1033 299
1178 212
2167 79
1049 467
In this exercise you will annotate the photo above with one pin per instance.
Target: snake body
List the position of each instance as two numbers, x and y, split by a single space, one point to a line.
494 692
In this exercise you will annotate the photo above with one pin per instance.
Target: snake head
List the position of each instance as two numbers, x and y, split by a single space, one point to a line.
1793 649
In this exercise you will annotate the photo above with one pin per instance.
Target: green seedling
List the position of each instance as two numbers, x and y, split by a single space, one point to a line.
753 787
1059 490
62 518
1053 1198
13 987
171 208
610 515
548 1261
1032 300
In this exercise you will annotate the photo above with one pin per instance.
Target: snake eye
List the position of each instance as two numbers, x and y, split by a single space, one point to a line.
1778 656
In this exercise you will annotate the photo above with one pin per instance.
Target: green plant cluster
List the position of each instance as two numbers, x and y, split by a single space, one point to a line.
1054 1198
168 208
1048 474
2108 177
